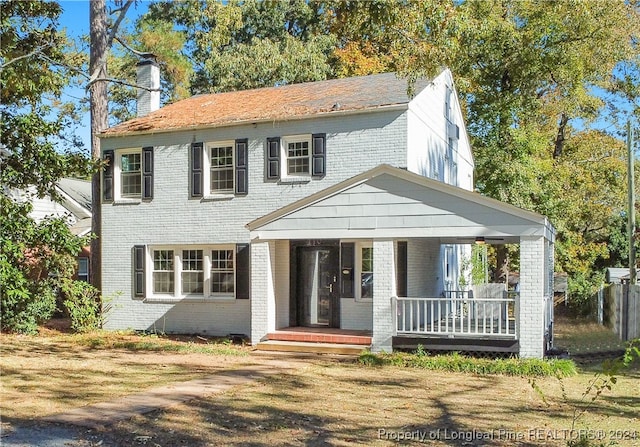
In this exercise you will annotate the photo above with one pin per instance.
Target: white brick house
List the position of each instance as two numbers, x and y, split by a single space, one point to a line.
322 204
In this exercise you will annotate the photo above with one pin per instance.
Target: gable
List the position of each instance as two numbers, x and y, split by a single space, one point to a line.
399 204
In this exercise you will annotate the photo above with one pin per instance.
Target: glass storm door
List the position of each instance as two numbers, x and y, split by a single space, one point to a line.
318 270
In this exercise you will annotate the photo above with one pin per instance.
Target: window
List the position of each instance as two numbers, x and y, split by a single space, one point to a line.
297 158
196 272
130 174
366 272
163 272
83 269
221 167
192 272
222 272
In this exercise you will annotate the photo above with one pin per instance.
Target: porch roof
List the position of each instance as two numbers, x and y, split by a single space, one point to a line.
388 202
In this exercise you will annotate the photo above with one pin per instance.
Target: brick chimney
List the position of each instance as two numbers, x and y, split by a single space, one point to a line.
148 73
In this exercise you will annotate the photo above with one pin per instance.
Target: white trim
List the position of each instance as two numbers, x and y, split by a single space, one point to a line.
359 245
207 295
284 151
206 170
117 171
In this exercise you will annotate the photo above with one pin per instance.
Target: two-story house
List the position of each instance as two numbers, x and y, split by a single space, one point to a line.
335 204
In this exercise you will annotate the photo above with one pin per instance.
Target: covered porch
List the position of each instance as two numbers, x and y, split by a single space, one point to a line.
382 252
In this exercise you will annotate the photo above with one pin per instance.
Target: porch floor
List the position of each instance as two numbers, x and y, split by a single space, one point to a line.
321 335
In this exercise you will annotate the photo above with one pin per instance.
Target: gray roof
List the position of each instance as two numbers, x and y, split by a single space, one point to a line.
78 189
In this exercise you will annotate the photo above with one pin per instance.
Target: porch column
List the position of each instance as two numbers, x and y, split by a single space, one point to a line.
531 301
263 301
384 287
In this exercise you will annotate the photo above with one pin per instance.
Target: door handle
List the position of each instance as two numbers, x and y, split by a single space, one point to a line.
331 288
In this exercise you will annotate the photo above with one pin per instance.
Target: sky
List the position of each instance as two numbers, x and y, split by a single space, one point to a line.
75 18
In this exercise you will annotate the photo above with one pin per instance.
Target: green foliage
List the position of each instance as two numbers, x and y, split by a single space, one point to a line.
536 80
36 261
83 305
36 150
582 291
459 363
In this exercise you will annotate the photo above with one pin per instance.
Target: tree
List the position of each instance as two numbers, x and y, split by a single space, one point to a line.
36 149
539 81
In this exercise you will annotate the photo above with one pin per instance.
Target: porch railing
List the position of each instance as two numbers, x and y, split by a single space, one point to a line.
466 316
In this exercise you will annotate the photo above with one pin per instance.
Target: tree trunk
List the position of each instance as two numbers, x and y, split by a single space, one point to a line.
99 122
560 138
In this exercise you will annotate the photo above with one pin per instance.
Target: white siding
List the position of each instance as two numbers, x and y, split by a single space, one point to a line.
423 268
356 314
428 134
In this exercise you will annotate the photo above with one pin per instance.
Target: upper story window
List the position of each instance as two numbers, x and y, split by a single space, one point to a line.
296 157
128 174
130 165
219 169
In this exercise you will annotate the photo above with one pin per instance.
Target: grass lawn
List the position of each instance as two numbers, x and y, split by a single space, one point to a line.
328 402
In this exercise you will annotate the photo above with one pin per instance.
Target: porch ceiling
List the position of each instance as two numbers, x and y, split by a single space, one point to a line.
388 202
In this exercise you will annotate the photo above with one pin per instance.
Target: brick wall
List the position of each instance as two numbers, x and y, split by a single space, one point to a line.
354 144
384 288
531 302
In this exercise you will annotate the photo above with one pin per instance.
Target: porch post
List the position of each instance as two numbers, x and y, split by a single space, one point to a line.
384 279
532 289
263 302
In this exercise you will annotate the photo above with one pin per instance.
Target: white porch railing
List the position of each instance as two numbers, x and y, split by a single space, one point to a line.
486 317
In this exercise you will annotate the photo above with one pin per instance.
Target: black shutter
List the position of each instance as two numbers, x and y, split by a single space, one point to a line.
401 270
138 270
196 169
242 172
347 269
107 177
319 155
243 271
273 158
147 173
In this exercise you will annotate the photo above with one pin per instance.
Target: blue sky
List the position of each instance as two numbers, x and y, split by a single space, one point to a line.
75 18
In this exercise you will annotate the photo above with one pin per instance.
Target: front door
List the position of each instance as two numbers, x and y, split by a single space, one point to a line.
317 286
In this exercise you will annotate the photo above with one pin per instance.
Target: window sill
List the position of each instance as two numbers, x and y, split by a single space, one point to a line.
127 201
188 299
294 180
218 197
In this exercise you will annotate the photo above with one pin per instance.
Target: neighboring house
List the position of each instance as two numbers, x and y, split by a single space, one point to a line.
324 205
74 206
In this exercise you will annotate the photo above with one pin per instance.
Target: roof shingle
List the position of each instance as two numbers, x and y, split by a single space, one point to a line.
273 103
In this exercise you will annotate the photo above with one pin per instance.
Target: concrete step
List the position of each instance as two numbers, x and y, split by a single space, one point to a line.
310 347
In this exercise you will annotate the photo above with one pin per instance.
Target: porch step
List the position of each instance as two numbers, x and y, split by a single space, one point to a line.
316 337
311 347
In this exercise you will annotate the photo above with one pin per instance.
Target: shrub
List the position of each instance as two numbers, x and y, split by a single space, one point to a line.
26 304
82 302
460 363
